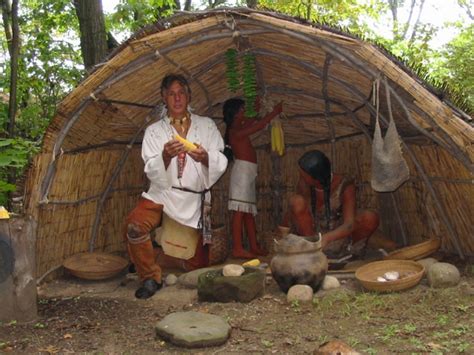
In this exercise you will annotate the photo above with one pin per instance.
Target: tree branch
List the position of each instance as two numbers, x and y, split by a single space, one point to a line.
415 26
407 25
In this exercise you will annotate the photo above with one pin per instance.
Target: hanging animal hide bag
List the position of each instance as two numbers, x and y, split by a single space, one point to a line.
389 168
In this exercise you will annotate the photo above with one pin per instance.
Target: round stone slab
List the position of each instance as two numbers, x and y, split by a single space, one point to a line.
193 329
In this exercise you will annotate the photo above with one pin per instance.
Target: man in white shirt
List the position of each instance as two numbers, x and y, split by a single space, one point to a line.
180 180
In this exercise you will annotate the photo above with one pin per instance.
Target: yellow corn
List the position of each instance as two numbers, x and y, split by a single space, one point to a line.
187 144
277 137
253 262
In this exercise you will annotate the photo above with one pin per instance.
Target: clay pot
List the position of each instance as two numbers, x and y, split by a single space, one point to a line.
298 261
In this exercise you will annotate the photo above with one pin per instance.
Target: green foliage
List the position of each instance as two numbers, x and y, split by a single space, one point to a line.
350 14
50 65
14 153
449 69
455 67
131 15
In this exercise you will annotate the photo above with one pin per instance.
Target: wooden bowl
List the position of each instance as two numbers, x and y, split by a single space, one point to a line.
415 252
95 266
410 272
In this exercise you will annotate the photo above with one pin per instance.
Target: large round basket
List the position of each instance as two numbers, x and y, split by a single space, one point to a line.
410 272
219 248
95 266
415 252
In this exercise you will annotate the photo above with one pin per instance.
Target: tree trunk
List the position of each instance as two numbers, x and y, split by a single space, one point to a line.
412 7
12 34
415 26
252 4
17 275
6 16
187 5
92 27
393 4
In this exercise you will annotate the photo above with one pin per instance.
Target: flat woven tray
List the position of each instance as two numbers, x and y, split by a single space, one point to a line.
415 252
95 266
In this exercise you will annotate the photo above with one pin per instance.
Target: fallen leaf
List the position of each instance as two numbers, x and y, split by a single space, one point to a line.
67 336
50 349
435 346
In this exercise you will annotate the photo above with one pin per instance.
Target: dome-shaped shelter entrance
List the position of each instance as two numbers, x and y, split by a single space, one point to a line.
90 174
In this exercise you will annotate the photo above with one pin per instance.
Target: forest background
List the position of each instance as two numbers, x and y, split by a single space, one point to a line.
49 46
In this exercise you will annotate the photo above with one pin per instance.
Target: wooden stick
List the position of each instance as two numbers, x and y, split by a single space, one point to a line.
90 198
399 219
95 146
327 108
127 103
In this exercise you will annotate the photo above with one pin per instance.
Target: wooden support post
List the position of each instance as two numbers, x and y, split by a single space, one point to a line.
17 273
275 185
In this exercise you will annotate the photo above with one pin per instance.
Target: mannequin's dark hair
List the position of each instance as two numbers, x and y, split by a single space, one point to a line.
230 109
318 166
170 79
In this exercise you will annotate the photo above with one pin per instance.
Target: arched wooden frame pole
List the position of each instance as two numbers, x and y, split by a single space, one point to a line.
123 73
345 56
327 107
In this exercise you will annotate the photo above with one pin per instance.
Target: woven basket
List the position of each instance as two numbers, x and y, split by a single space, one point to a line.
268 240
415 252
410 272
95 266
219 248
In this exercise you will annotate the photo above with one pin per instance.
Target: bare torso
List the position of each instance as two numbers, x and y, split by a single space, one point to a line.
242 147
241 130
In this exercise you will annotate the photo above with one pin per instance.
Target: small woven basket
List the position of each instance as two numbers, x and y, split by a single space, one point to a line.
268 240
410 272
219 248
415 252
95 266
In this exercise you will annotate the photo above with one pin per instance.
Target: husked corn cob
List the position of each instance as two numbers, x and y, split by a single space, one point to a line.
187 144
253 262
277 137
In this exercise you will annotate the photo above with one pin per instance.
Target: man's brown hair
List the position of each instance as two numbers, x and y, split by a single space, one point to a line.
171 78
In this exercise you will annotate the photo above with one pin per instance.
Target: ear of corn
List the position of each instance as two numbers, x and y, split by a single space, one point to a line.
187 144
277 137
253 262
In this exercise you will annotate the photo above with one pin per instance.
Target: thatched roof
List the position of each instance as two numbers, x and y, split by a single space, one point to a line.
324 77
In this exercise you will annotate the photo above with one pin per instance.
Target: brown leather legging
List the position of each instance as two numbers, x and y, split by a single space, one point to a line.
140 222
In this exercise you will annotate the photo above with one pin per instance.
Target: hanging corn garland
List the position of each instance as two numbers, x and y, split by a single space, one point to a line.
249 81
232 70
249 85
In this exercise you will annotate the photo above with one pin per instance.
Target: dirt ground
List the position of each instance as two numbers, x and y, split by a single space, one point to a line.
103 317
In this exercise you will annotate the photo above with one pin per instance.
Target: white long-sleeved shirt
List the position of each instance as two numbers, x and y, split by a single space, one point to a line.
184 207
